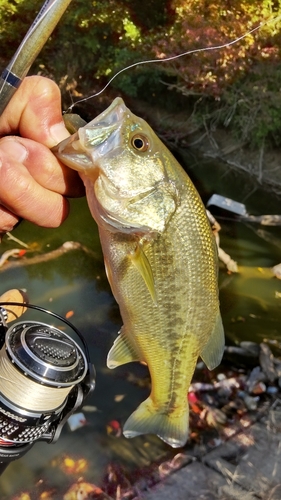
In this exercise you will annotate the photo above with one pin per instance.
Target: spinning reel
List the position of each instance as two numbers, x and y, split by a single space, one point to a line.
45 377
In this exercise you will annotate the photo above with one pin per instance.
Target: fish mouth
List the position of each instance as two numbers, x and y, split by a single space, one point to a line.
82 150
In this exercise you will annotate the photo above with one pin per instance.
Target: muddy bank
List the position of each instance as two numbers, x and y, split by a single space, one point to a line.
263 164
181 131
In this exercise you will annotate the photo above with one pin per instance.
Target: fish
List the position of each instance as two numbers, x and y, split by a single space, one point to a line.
161 262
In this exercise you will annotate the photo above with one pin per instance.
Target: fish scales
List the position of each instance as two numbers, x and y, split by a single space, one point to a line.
161 262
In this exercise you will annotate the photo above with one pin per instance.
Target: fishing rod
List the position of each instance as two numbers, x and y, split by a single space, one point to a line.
34 40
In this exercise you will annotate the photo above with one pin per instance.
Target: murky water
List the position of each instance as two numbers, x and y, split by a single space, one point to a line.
250 301
75 281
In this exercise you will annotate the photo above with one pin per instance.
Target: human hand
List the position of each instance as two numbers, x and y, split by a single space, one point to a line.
33 183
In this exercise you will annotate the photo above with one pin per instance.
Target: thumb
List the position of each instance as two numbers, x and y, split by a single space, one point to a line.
34 112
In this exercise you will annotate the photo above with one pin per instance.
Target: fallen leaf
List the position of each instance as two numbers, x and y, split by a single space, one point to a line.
113 428
69 314
82 491
70 466
90 408
23 496
46 495
119 397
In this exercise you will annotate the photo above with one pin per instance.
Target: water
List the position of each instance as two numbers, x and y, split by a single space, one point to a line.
250 301
75 282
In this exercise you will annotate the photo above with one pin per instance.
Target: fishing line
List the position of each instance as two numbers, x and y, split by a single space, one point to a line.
172 58
26 393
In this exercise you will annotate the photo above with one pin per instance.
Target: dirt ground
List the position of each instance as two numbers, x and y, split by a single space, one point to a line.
247 467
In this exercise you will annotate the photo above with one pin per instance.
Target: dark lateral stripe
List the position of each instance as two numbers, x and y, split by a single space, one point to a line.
10 78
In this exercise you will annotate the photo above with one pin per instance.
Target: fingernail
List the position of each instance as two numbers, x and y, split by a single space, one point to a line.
59 132
14 149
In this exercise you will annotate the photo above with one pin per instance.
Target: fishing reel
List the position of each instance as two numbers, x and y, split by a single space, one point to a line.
45 377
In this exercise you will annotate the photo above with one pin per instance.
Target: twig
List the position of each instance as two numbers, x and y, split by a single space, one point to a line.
261 162
66 247
11 237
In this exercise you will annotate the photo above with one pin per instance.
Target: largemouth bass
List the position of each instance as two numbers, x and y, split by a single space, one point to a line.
161 261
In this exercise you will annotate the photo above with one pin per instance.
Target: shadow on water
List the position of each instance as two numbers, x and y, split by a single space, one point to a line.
76 282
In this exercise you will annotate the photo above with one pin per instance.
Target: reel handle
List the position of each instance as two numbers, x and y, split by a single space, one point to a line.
14 295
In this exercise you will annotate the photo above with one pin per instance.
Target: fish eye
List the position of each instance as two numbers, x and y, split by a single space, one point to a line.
140 142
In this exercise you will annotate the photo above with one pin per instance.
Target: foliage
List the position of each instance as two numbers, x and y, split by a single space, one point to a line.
251 107
205 24
95 39
235 86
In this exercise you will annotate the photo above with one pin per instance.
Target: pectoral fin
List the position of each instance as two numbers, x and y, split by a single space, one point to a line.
142 264
121 352
109 277
214 349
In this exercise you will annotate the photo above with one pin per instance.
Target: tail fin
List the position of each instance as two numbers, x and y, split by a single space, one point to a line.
146 419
